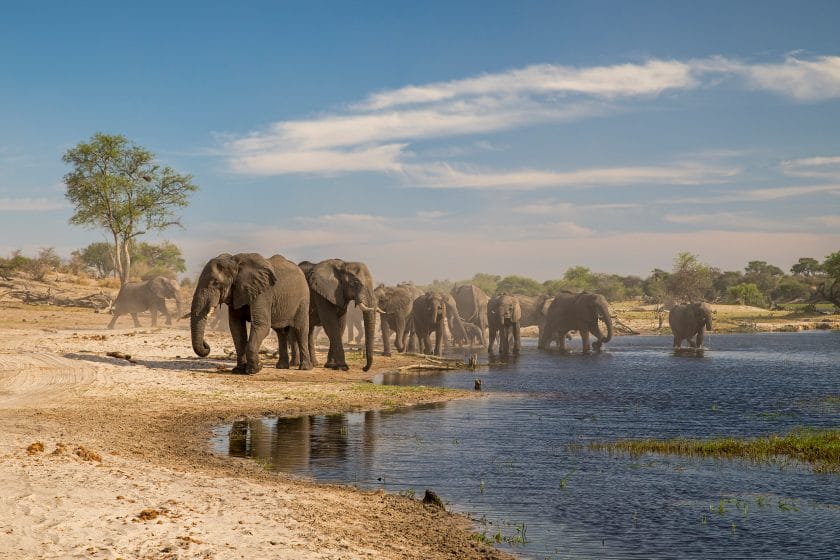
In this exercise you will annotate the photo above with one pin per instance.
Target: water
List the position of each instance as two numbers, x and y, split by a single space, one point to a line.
513 460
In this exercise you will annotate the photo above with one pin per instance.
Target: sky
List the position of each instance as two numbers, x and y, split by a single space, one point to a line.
434 140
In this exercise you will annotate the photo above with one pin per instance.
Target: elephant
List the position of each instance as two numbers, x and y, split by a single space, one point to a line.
534 309
454 321
576 311
504 317
475 336
333 284
396 303
689 322
428 314
355 322
472 304
269 293
136 297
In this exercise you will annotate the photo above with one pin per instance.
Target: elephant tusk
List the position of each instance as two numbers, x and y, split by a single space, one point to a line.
381 311
185 316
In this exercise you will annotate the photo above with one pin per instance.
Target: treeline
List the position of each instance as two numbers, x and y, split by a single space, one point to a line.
759 284
97 261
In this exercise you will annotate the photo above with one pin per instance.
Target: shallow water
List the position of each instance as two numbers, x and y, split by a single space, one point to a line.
512 460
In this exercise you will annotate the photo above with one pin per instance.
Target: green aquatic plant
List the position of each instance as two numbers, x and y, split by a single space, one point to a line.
819 448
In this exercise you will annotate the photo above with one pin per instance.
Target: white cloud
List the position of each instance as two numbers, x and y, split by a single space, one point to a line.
447 176
32 204
826 221
732 220
818 167
376 134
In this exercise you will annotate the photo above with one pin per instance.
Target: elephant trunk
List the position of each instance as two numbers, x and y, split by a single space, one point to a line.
198 322
179 304
708 320
369 319
608 320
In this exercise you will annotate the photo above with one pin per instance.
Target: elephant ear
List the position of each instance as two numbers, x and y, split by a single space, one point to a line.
158 286
400 299
254 276
324 281
517 311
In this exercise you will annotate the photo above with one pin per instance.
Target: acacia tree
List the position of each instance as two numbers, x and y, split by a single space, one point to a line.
830 288
690 279
117 185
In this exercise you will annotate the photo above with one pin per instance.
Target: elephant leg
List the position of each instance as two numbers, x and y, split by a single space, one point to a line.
677 342
313 357
333 326
491 340
584 339
385 328
283 339
298 332
259 330
561 342
599 338
439 336
699 339
517 341
114 320
154 313
239 334
165 312
136 320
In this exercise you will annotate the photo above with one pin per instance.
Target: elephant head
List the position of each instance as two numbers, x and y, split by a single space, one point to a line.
235 280
164 288
340 282
592 307
701 315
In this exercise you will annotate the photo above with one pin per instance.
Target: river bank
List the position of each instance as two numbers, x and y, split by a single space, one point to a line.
104 457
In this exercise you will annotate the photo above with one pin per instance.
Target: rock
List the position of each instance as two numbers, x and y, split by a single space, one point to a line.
432 499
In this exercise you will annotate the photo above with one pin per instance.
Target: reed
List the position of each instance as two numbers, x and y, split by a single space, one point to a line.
819 448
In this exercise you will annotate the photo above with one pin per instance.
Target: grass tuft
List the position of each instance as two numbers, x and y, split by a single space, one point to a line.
818 448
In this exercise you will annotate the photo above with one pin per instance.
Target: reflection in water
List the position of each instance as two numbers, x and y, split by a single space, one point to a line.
518 455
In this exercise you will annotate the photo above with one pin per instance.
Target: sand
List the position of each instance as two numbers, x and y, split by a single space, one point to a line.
101 457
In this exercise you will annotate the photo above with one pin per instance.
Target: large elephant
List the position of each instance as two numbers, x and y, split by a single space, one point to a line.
428 314
355 324
396 303
571 311
333 284
504 317
269 293
472 304
689 322
136 297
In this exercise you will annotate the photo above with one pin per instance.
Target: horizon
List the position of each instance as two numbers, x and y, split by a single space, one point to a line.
439 141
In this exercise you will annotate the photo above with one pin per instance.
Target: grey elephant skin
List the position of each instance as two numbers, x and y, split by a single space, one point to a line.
475 336
396 303
535 310
136 297
581 312
428 314
504 317
689 322
472 304
333 284
355 324
267 293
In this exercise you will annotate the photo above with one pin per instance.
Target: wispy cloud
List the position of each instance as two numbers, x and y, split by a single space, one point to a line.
377 133
817 167
32 204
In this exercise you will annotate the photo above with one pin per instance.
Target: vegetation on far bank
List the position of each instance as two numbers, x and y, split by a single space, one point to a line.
819 448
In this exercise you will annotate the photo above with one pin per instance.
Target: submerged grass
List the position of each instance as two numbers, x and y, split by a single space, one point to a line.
818 448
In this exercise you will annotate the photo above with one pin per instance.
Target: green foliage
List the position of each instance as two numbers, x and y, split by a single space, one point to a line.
763 275
790 289
439 286
655 286
519 285
746 294
578 279
806 266
117 186
690 279
100 257
487 282
830 288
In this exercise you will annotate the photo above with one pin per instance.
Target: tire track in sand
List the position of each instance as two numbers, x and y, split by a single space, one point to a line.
39 378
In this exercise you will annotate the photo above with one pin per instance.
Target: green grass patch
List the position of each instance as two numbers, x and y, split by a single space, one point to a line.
818 448
398 389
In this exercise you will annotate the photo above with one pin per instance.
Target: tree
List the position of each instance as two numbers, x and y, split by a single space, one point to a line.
746 294
117 186
806 266
763 275
166 255
578 278
790 289
519 285
100 257
830 288
46 261
690 280
487 282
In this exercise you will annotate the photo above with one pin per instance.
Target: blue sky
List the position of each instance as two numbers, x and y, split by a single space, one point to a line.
435 140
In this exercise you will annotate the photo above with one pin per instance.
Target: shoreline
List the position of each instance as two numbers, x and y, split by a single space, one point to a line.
127 470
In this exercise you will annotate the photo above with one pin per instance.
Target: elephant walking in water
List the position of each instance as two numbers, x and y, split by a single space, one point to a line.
136 297
471 302
396 304
504 316
581 312
267 293
333 284
689 322
428 314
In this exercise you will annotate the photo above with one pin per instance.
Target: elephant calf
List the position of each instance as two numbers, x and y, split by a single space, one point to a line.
136 297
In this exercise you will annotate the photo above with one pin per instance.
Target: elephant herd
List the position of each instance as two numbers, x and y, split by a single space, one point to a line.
294 299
